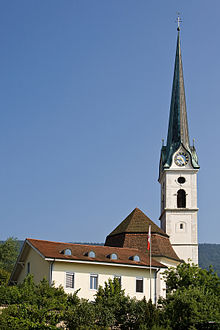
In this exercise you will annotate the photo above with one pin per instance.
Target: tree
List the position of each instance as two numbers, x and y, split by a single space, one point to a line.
193 297
4 277
8 253
115 309
186 275
80 315
111 304
32 306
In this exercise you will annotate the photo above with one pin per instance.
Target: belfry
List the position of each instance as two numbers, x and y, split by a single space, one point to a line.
178 174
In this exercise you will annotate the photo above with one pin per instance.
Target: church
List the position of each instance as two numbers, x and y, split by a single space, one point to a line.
125 255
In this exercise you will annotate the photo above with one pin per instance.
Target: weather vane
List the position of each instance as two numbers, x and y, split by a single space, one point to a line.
178 20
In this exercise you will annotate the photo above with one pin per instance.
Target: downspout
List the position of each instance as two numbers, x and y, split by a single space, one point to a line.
155 286
51 272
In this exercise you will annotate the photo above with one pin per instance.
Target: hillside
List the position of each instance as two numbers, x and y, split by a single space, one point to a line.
209 254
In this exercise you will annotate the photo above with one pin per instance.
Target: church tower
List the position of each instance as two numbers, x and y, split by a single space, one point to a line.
178 174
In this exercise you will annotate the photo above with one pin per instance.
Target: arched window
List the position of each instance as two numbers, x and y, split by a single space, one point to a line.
113 256
67 252
136 258
91 254
181 226
181 198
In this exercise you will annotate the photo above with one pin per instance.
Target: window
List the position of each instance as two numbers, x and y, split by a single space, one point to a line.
139 284
94 281
113 256
67 252
69 280
181 198
118 278
162 201
136 258
91 254
180 227
28 268
181 180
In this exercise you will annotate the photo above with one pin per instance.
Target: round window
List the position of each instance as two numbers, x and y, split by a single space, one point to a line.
181 180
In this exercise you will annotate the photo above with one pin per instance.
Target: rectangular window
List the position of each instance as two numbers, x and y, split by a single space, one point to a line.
28 268
119 278
70 280
139 284
94 281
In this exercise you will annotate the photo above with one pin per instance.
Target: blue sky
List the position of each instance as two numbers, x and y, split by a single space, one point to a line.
85 89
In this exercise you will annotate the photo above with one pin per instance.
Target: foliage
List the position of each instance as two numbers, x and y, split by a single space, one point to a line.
26 316
28 292
4 276
115 309
188 307
187 275
80 315
32 306
8 254
112 309
192 301
193 297
111 303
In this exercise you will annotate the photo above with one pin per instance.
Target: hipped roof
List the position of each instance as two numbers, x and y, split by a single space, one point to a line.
137 222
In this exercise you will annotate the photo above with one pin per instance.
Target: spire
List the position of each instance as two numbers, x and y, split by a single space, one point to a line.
178 125
178 133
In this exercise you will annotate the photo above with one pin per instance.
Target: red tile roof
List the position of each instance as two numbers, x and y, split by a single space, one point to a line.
80 252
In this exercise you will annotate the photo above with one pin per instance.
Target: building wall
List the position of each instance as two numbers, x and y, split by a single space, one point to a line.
161 285
180 223
82 278
38 267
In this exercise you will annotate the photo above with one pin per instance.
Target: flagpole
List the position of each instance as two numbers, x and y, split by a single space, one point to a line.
150 260
149 249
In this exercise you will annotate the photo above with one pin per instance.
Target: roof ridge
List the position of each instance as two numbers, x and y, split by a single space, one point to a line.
84 245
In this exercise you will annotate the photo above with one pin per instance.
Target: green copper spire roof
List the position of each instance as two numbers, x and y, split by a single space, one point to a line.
178 132
178 125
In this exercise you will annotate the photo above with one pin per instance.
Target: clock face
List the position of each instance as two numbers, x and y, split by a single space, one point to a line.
181 159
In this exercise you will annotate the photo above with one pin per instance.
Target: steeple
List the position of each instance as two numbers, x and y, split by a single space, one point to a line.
178 132
178 125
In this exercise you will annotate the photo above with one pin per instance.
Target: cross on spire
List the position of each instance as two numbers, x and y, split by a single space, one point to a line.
178 20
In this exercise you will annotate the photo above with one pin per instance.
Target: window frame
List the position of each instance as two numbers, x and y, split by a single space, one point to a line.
67 252
181 199
91 254
113 256
139 278
136 256
28 267
92 283
72 274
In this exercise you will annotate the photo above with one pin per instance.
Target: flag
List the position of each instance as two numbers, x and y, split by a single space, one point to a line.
149 238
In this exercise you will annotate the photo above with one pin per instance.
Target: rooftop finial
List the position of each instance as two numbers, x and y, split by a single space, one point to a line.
178 20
